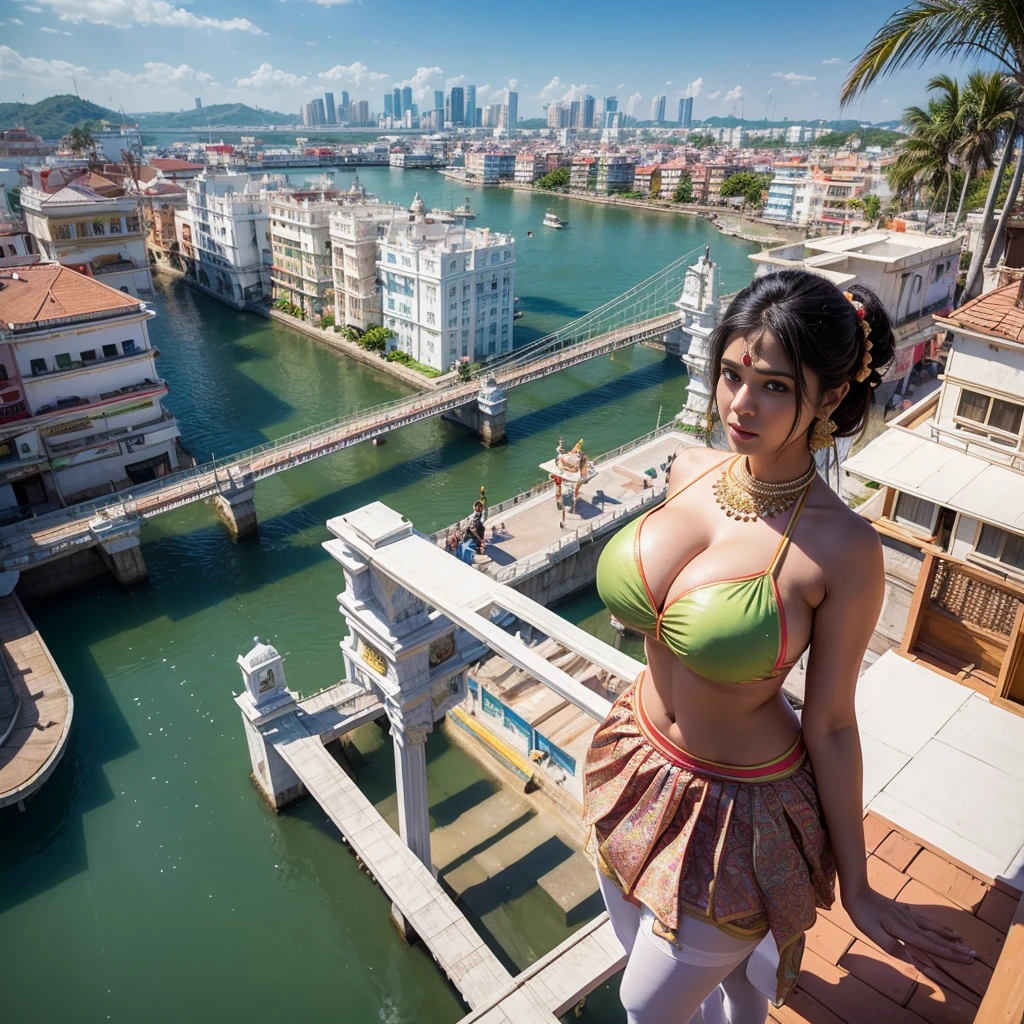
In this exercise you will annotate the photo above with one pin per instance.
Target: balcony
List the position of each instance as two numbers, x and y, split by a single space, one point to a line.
78 365
71 402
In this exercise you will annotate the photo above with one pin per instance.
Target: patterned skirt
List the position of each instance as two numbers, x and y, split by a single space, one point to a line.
743 848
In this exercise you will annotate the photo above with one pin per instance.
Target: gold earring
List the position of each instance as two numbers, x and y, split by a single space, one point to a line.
821 435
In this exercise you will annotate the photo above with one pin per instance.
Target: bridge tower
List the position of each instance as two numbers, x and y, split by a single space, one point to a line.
486 417
234 504
698 309
401 649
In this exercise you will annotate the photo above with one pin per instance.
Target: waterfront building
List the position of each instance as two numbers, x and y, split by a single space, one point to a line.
583 174
300 243
447 292
490 168
951 471
530 167
100 235
329 111
557 115
457 99
672 172
228 234
647 179
790 192
19 144
686 111
80 411
658 108
470 106
716 171
355 229
913 275
615 173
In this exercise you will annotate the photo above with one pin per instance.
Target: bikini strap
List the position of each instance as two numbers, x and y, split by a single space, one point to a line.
780 551
702 473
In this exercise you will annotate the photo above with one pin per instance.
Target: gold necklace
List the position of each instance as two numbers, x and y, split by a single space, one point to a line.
743 497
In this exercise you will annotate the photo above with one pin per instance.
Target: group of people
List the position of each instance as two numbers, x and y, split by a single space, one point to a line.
467 541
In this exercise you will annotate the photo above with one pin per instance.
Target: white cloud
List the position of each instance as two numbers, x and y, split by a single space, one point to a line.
620 87
714 95
267 75
33 9
793 78
577 92
125 13
457 80
669 82
552 89
351 74
513 84
832 60
734 95
331 3
13 65
422 82
632 102
693 88
17 21
48 31
158 74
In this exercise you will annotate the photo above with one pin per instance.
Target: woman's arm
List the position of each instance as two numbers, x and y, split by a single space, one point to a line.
843 624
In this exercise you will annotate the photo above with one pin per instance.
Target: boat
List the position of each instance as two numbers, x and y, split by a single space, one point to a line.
552 220
465 212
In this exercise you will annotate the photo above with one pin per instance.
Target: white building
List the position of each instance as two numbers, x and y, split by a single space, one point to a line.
791 193
80 398
228 237
300 241
101 236
447 291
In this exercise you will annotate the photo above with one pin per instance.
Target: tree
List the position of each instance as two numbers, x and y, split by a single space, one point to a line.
747 186
558 178
684 190
872 207
80 140
375 339
924 30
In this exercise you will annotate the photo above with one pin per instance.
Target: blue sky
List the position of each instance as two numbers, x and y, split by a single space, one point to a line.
159 54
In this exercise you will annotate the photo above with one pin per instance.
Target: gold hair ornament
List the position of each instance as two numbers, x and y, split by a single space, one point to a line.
865 367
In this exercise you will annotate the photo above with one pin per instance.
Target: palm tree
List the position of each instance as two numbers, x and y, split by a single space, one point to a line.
989 106
947 30
872 207
924 160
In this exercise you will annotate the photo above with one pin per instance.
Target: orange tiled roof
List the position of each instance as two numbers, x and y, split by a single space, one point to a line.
50 292
847 979
172 164
996 312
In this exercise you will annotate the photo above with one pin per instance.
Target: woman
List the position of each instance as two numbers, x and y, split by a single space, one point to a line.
719 816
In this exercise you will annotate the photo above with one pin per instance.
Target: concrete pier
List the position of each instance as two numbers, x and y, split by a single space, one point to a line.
120 547
486 417
234 504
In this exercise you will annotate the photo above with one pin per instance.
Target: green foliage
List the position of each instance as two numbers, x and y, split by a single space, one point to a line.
465 370
396 355
349 333
633 194
555 179
533 122
746 185
216 116
375 339
702 141
55 116
872 207
684 190
868 137
327 320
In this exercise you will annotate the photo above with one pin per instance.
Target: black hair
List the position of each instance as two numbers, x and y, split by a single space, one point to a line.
820 330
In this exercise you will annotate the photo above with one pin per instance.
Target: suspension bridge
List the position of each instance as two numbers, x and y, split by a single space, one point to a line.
644 313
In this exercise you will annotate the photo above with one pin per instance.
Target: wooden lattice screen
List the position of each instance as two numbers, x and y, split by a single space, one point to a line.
973 601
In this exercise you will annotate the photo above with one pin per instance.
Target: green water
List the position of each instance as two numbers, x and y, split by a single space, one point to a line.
147 881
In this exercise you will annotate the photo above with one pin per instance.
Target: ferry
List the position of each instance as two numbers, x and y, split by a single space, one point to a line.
465 212
552 220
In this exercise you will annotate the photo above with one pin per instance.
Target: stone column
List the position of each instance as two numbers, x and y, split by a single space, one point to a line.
409 730
492 404
698 308
234 504
121 548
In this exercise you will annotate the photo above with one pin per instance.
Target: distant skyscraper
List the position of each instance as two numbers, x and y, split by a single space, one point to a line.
574 114
199 103
470 106
308 114
511 113
389 105
458 101
439 99
396 102
319 112
658 108
611 106
686 111
556 115
406 99
344 101
587 111
332 116
362 108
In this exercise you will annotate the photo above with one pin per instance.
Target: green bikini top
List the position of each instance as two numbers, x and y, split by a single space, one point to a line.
728 631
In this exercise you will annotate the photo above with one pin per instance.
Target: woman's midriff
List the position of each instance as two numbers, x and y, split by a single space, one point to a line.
745 723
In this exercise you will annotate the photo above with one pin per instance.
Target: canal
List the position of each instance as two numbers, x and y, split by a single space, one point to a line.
147 881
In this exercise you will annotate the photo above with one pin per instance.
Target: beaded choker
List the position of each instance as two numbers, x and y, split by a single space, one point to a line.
743 497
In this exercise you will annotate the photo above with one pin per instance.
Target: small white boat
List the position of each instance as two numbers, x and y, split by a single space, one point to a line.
465 212
552 220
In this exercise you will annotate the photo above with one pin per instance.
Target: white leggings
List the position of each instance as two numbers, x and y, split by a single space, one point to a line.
704 982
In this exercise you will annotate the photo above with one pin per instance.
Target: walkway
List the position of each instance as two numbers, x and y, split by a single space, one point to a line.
44 706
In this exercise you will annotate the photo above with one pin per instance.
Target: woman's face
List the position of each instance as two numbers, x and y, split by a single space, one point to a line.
757 402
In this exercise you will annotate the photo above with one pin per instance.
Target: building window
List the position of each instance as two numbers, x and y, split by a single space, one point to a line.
62 361
128 347
916 513
115 225
391 257
109 351
88 356
1001 418
1001 546
98 228
3 372
62 231
38 366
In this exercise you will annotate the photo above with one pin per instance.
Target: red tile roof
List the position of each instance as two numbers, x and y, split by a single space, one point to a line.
996 313
176 165
49 291
847 979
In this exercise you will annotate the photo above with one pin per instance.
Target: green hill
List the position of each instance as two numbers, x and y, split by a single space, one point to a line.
218 115
56 115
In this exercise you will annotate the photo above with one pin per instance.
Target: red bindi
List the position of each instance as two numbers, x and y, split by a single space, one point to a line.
746 359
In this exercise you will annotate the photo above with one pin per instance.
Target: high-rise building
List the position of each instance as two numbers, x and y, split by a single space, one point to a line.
199 103
321 113
439 99
574 114
332 117
389 105
343 113
308 114
658 108
611 106
685 111
556 115
470 106
362 108
458 104
396 102
510 111
587 111
406 99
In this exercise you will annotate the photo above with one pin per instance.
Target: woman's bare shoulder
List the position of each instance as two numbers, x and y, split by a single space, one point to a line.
691 459
844 540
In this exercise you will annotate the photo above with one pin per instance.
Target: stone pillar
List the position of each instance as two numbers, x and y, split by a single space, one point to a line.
121 548
492 404
409 730
265 699
234 504
698 308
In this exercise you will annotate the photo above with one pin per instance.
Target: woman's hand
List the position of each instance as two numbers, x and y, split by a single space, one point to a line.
904 933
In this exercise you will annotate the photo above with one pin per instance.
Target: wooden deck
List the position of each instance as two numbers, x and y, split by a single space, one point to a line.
44 706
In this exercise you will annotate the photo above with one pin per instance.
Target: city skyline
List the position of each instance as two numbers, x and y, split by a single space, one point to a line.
241 53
